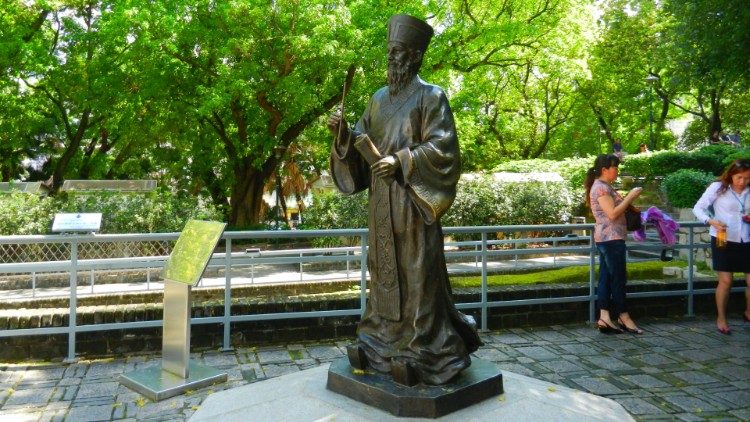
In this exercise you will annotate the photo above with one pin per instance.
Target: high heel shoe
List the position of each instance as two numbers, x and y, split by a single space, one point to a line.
634 330
605 328
726 331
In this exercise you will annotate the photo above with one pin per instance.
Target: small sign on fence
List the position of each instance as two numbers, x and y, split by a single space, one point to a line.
77 222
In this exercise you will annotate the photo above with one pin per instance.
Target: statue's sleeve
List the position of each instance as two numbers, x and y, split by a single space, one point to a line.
349 171
431 168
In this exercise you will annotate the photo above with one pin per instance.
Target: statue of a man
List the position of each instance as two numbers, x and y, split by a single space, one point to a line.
410 327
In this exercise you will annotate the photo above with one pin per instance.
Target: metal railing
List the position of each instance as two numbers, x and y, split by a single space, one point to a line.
481 252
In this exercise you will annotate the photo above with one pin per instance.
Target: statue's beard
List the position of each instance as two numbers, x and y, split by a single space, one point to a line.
399 76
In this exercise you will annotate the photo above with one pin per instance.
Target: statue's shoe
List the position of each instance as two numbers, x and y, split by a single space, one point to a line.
356 355
403 373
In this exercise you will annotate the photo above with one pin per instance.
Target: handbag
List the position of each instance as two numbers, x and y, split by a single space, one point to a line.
633 219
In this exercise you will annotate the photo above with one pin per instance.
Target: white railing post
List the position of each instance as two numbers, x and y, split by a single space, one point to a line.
484 281
73 301
227 294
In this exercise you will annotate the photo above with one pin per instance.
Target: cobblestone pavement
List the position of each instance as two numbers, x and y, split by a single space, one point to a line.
679 369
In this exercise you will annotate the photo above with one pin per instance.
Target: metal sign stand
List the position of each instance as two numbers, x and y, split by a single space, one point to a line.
178 373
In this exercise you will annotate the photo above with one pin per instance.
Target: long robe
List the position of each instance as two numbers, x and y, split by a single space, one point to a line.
410 314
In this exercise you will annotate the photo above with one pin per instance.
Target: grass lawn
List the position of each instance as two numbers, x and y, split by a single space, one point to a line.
573 274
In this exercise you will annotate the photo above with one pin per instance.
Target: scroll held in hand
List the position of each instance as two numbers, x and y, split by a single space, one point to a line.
370 153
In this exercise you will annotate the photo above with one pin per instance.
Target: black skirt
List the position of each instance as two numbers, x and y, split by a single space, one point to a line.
733 258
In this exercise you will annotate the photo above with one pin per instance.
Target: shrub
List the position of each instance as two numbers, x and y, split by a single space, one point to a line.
333 210
155 211
709 159
151 212
476 203
684 187
572 170
486 201
24 214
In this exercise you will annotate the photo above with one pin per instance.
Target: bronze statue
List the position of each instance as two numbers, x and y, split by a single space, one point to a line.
405 150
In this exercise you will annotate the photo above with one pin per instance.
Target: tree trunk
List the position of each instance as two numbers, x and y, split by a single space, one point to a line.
58 176
714 121
247 197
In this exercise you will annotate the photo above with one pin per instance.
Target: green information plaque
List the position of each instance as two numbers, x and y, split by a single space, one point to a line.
192 252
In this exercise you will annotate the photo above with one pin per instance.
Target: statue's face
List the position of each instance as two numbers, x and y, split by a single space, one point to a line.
398 54
403 64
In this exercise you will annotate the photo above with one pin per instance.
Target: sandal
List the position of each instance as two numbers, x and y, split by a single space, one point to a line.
634 330
605 328
724 330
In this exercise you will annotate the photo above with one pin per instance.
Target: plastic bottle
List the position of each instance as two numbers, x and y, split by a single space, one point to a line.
721 239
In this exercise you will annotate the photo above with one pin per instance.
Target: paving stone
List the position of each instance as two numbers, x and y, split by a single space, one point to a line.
561 366
638 406
109 370
732 372
510 339
698 355
537 353
739 398
99 389
491 354
274 356
586 349
599 386
741 414
646 381
324 353
607 362
515 368
663 341
94 401
695 377
553 336
690 404
76 370
653 359
29 396
69 381
43 375
162 410
90 413
220 360
274 370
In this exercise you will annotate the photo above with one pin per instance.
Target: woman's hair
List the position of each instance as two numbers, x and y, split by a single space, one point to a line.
602 161
737 166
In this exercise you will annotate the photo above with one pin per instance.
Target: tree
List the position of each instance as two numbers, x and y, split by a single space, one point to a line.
708 42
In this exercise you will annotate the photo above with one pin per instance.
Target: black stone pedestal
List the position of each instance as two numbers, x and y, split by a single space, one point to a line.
480 381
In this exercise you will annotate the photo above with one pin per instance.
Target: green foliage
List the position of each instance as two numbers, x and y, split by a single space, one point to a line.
476 204
684 187
332 210
709 159
573 170
25 214
157 211
486 201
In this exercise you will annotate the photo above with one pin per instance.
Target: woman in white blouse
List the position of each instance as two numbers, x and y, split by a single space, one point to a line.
730 197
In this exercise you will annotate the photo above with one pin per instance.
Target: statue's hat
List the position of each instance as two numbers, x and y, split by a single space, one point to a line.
410 31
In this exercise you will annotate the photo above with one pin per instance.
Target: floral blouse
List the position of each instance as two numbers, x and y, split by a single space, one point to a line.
606 229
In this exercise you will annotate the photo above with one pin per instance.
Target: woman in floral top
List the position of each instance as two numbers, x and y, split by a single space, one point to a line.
610 232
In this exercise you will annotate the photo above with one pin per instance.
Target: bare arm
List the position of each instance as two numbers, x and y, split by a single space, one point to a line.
608 203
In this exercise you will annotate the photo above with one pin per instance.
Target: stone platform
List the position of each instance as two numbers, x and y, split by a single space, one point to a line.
480 381
302 396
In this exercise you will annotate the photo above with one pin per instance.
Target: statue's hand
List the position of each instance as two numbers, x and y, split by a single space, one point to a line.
385 167
334 122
